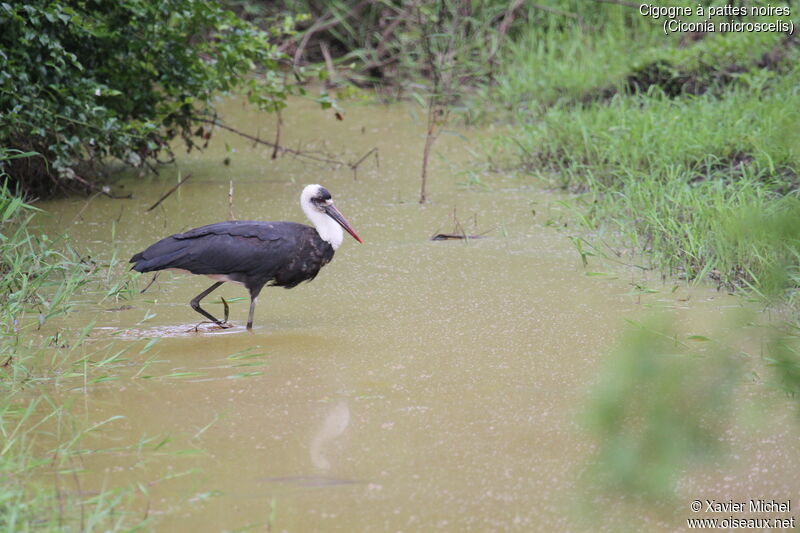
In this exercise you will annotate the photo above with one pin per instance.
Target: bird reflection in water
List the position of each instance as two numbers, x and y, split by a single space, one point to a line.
332 427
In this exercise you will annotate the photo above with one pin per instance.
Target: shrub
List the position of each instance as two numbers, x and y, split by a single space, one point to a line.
84 81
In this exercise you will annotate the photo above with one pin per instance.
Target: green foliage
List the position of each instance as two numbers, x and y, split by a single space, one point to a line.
83 81
665 402
659 405
686 148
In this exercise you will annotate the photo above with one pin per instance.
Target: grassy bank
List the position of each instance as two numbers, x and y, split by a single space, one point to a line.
40 448
686 149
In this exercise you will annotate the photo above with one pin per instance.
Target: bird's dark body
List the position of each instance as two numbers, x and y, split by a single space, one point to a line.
253 253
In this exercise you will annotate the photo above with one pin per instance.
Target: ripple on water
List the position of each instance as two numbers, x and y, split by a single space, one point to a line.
176 331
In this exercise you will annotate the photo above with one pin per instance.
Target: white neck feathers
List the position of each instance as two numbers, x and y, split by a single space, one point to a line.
327 228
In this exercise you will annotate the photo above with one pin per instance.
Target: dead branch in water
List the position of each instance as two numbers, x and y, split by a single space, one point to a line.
458 231
155 276
354 166
227 310
101 189
172 190
456 236
277 148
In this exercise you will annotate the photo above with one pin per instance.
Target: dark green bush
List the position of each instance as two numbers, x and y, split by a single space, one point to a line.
85 80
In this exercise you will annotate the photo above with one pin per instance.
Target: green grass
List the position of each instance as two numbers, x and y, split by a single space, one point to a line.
40 439
686 152
558 62
673 175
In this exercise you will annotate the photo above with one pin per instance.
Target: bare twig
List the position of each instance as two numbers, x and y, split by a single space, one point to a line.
381 49
430 58
297 152
279 148
459 229
508 18
322 25
354 166
155 276
230 201
277 135
172 190
328 62
459 232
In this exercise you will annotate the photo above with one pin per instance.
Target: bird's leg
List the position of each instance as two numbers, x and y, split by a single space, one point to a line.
254 292
252 311
195 303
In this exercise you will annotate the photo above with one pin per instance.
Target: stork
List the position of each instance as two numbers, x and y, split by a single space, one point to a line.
253 253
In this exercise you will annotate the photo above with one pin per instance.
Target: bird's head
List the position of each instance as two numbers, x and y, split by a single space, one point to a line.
317 204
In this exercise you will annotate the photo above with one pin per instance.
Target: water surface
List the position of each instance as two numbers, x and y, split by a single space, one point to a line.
413 386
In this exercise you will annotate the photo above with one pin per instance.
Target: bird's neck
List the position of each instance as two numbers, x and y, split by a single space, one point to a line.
327 228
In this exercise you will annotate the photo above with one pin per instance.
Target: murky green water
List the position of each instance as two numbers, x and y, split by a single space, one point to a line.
413 386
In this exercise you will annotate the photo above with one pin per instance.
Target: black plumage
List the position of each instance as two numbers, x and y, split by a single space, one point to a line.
249 252
253 253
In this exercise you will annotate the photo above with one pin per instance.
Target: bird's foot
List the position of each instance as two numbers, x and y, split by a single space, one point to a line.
220 325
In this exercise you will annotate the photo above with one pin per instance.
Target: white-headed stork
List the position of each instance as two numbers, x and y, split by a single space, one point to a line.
253 253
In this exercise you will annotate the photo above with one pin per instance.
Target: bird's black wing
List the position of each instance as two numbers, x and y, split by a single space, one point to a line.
263 231
248 248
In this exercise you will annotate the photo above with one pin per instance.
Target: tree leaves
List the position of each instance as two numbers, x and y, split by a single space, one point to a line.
81 82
